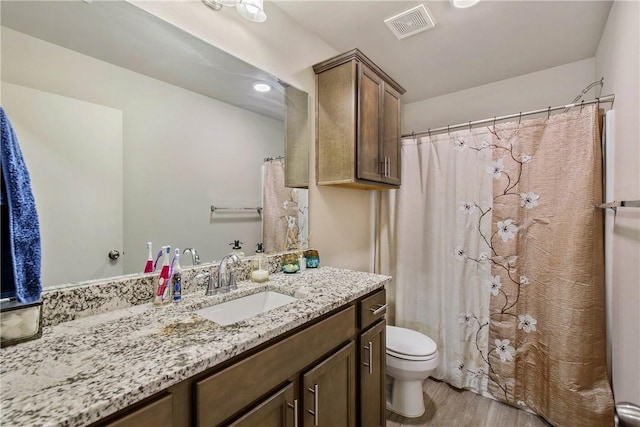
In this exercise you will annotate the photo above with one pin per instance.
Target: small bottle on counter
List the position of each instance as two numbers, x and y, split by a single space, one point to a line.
259 266
290 263
312 258
237 249
163 288
176 278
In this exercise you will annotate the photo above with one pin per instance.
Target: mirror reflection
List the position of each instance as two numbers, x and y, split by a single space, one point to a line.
133 129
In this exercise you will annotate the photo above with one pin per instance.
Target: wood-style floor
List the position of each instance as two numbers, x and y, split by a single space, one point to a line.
450 407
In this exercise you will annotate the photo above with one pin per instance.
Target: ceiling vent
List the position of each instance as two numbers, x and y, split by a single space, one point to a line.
410 22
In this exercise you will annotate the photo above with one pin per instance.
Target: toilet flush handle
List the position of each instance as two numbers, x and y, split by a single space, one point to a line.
382 308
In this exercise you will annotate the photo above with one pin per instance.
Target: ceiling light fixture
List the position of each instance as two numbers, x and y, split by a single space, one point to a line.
253 10
463 4
261 87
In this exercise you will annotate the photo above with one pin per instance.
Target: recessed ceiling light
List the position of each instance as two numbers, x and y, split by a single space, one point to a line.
261 87
462 4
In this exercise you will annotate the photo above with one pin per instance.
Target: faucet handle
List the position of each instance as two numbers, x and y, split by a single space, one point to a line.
211 288
200 276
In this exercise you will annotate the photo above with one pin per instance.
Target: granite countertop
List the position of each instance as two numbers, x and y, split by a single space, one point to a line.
83 370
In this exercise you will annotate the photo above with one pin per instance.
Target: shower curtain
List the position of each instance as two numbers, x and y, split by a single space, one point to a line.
495 246
284 224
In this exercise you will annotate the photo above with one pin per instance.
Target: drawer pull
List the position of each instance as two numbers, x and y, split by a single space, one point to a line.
315 411
369 348
382 308
295 411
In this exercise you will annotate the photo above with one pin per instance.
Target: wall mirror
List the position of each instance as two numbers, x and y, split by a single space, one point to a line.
132 129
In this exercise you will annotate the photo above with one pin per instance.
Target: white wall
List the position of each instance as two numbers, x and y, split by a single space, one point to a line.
171 137
340 219
76 177
618 60
550 87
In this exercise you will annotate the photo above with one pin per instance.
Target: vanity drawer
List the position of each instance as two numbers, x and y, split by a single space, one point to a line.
225 393
157 413
372 308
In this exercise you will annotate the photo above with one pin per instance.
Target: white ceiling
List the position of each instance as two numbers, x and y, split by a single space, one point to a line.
490 41
120 33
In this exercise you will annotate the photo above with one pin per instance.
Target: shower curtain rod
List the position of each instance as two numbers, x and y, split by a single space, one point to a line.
602 99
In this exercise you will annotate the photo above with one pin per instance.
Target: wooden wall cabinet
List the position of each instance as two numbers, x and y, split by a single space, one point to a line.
357 123
297 138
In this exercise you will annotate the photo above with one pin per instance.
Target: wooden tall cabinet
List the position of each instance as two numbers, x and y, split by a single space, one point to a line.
357 123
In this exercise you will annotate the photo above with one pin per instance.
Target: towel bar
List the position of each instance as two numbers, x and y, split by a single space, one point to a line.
621 204
218 208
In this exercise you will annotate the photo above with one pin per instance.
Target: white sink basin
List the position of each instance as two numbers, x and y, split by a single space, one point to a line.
245 307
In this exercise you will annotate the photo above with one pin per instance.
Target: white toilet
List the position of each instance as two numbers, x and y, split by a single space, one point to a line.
411 358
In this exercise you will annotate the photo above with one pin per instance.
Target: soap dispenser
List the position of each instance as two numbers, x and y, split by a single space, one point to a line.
237 250
259 266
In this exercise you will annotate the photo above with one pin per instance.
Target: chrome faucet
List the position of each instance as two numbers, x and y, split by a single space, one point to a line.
195 258
224 284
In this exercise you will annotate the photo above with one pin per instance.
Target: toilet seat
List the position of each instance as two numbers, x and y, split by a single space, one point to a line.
407 344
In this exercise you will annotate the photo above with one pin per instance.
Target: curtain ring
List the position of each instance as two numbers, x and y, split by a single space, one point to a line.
448 130
520 118
597 103
549 112
469 125
581 106
494 123
429 132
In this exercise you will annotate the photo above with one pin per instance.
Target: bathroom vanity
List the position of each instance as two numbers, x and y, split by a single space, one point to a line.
317 361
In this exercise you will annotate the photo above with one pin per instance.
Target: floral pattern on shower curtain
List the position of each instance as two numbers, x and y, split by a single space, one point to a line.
284 219
438 259
547 330
532 245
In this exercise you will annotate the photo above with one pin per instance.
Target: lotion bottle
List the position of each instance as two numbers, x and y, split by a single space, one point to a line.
259 266
237 250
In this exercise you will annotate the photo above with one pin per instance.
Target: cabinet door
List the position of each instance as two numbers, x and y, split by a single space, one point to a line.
278 410
372 376
329 391
391 136
369 124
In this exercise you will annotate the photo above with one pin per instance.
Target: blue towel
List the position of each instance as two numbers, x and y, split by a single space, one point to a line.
20 227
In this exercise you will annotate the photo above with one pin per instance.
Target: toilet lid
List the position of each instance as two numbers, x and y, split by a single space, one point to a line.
406 342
